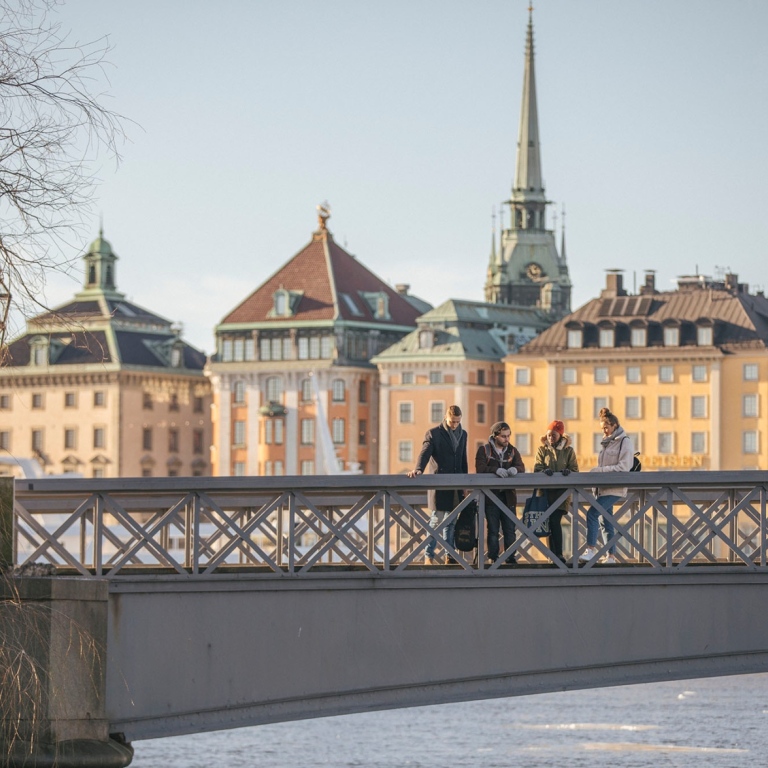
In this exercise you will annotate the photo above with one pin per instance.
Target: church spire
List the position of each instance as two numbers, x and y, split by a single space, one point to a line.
529 185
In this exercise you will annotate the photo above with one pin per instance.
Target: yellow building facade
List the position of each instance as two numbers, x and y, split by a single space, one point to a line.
685 371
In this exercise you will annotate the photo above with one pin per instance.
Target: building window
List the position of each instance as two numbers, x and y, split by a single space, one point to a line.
97 472
522 409
405 450
606 337
5 440
704 336
238 469
750 372
70 399
37 439
146 439
314 347
436 410
70 438
146 401
666 407
500 412
632 408
37 400
279 428
197 441
338 391
523 443
633 374
406 377
173 440
635 439
276 348
339 431
522 376
672 336
173 404
267 431
500 379
5 402
268 468
749 441
699 407
598 403
601 375
99 399
575 339
569 375
98 437
239 432
307 431
303 348
307 467
226 350
362 432
569 408
250 349
638 337
326 347
666 374
750 406
480 413
274 389
238 394
481 378
406 413
435 377
198 405
362 391
574 441
265 349
666 442
279 471
698 442
699 373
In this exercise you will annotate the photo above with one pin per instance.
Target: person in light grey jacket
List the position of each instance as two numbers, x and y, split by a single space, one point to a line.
615 455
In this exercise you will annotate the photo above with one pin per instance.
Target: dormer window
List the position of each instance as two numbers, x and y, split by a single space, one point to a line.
38 352
177 356
281 303
671 336
426 339
378 303
638 337
607 338
705 336
284 302
575 338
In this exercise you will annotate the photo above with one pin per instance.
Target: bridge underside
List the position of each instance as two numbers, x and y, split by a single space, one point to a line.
190 656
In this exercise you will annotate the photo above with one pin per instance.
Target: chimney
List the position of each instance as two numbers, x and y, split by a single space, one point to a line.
650 282
614 284
402 288
732 282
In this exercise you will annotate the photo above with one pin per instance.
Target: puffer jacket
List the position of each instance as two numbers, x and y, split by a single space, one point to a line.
615 456
557 458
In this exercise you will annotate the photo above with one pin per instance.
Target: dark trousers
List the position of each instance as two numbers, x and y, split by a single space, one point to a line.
495 518
556 532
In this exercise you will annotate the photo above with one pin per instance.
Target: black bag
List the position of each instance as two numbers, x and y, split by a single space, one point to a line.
636 465
465 532
534 508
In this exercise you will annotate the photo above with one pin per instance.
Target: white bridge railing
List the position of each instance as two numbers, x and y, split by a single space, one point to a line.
300 526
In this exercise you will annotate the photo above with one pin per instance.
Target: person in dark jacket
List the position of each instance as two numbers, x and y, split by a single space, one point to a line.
498 457
445 452
556 454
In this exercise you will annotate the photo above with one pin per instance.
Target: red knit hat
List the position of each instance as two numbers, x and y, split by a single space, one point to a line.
556 426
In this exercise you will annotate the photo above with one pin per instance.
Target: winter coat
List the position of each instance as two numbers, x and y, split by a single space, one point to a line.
487 462
557 458
616 455
438 453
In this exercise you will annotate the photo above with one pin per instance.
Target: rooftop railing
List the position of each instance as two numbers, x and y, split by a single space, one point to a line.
288 527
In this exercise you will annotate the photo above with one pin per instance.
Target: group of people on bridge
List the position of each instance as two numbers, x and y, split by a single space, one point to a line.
444 451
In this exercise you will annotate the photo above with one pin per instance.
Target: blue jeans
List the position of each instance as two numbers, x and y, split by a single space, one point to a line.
607 503
436 519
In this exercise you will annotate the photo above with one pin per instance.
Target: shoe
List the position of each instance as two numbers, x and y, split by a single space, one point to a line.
609 559
587 554
449 560
430 560
490 560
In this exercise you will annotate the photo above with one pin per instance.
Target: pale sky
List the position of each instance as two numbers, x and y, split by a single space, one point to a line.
404 115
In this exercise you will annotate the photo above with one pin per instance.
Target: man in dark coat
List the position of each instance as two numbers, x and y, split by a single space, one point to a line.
445 451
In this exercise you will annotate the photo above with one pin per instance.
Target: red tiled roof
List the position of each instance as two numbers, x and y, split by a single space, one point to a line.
321 272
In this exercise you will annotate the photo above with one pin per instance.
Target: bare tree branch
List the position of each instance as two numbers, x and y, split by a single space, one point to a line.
53 126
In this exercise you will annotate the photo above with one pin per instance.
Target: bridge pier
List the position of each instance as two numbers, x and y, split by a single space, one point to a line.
52 666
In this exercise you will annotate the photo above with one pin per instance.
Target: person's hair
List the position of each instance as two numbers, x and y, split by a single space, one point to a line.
453 410
606 415
498 427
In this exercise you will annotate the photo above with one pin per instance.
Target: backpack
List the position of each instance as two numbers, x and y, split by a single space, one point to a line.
465 532
636 464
